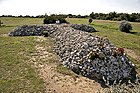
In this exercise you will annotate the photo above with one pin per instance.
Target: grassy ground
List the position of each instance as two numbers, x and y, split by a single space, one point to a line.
16 75
110 30
10 23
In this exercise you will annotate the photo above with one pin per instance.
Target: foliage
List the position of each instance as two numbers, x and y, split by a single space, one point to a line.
134 17
49 20
90 21
53 19
45 33
125 26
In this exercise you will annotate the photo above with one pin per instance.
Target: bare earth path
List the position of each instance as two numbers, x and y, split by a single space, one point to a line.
132 54
55 82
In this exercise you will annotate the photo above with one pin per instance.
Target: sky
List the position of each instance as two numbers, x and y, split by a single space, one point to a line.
82 7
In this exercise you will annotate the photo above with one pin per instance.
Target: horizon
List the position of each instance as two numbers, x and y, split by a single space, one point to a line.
42 7
67 14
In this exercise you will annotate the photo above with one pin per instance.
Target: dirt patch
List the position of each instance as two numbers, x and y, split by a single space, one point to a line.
3 34
131 53
55 82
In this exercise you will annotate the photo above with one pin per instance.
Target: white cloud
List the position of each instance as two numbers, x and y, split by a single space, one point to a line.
38 7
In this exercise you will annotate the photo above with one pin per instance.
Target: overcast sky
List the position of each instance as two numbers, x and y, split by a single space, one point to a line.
83 7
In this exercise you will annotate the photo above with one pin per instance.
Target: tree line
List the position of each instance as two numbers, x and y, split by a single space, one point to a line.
44 16
133 17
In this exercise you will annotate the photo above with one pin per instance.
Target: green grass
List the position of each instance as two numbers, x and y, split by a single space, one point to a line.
16 74
63 70
10 23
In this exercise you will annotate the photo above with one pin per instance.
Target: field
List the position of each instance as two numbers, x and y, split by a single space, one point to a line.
17 73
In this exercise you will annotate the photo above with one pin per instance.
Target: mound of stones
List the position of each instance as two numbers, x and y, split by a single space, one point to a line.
37 30
85 54
32 30
83 27
93 56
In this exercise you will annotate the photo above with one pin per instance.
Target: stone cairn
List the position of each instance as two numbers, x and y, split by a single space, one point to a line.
83 27
88 55
32 30
36 30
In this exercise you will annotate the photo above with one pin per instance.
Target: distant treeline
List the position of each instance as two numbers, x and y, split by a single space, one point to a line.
134 17
43 16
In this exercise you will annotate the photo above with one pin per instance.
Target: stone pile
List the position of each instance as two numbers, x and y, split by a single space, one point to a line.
32 30
85 54
93 56
83 27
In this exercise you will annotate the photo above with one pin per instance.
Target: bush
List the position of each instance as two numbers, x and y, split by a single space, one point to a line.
49 20
53 19
90 21
62 20
125 26
45 33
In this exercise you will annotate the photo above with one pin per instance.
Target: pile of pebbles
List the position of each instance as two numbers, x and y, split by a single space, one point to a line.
83 27
32 30
85 54
37 30
93 56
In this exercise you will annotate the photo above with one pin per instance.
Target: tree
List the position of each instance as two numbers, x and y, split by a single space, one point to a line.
92 15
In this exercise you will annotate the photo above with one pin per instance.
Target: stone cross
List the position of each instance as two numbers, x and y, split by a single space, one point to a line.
1 23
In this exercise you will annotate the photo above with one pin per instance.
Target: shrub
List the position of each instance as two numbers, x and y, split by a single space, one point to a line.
49 20
62 20
90 20
53 19
45 33
125 26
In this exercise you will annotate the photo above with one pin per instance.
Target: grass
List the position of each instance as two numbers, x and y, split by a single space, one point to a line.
16 75
10 23
63 70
